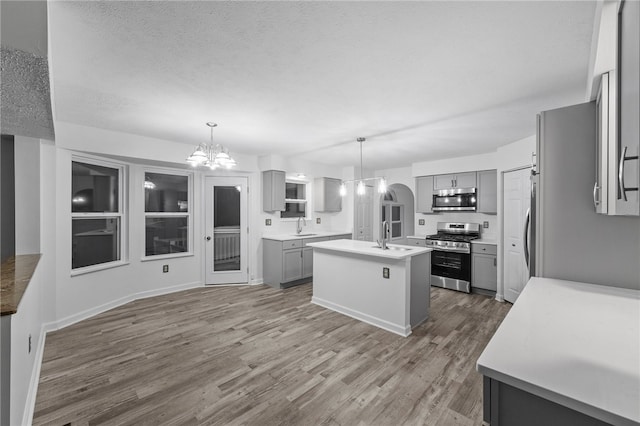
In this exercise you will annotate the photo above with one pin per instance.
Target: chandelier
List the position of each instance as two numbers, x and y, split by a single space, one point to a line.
360 186
210 155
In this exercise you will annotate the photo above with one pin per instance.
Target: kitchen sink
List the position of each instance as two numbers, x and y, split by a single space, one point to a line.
394 248
304 235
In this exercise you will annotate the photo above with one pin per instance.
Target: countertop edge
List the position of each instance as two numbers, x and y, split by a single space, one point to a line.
16 274
415 251
319 234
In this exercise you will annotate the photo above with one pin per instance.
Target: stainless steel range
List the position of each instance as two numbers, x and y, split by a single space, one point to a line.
451 256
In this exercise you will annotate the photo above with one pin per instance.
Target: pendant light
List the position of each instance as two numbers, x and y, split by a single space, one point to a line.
360 185
210 155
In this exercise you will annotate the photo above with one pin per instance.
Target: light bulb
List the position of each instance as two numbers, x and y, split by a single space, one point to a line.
343 189
360 190
382 186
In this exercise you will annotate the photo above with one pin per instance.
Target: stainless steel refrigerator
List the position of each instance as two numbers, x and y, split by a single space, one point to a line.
567 239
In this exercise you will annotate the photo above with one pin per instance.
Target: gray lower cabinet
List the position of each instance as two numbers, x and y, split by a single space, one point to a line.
484 267
424 194
506 405
289 263
487 192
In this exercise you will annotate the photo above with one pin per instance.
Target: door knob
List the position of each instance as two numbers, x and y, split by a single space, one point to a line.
208 238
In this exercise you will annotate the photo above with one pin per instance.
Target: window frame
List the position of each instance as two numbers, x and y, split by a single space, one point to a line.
387 208
122 213
189 214
304 201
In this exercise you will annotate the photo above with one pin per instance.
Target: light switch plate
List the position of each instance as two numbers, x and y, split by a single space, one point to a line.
485 224
420 221
318 220
385 272
267 222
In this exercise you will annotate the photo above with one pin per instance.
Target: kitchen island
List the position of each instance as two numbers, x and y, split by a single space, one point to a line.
568 353
386 288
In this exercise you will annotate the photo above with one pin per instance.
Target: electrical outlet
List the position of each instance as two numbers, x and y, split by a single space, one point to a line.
318 220
420 221
165 268
385 272
29 344
485 224
267 222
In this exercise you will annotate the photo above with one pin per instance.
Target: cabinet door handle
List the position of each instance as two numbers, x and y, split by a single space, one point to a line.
621 174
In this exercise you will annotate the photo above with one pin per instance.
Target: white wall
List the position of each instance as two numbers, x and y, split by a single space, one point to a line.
27 184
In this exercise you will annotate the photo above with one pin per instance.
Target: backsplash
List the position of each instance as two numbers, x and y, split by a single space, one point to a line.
431 222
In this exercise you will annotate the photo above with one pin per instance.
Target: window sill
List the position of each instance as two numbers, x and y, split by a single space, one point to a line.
96 268
165 256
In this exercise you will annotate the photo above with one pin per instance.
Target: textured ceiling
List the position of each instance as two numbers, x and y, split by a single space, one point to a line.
420 80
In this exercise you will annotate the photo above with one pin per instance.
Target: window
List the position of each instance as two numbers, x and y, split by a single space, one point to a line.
167 213
96 214
393 213
295 200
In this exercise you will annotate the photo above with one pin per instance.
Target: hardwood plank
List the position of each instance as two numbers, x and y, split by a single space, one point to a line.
257 355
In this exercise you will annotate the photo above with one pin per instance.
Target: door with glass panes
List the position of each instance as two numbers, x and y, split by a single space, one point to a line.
226 230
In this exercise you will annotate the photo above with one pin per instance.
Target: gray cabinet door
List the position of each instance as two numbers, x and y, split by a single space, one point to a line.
628 199
488 191
291 265
484 271
443 181
273 188
307 262
465 180
424 194
327 195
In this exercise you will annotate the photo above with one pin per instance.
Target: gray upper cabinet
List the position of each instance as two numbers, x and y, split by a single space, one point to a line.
327 195
273 187
455 180
424 194
627 201
487 192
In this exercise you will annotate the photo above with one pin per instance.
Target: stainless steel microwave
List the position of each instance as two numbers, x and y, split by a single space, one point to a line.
455 199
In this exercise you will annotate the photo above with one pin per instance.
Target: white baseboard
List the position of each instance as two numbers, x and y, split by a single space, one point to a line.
88 313
403 331
257 282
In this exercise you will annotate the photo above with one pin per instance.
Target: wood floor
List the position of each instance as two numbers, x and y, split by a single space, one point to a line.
260 356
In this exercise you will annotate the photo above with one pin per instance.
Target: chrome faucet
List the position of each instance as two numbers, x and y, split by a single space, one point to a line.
385 236
298 226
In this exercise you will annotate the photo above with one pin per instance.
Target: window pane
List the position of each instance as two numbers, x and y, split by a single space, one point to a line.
295 191
93 188
166 193
294 210
396 230
94 241
395 213
166 235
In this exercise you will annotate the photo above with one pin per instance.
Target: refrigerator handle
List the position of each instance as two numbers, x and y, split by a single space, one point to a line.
525 237
623 190
595 192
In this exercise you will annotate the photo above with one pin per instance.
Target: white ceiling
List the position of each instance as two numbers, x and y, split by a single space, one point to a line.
420 80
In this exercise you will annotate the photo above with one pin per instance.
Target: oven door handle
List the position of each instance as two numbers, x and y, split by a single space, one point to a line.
525 237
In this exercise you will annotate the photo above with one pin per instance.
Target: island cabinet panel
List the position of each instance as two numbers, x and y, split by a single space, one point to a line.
424 194
327 195
488 192
273 190
454 180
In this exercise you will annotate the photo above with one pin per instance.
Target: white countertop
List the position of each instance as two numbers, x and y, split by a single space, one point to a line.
572 343
484 241
304 234
370 248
